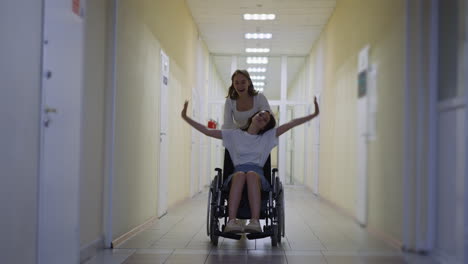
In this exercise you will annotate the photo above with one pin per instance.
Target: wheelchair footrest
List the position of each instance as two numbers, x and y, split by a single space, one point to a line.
258 235
230 235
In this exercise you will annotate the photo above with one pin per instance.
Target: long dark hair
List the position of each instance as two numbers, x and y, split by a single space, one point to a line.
271 124
232 94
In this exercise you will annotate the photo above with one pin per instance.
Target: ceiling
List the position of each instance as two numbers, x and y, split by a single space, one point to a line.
297 25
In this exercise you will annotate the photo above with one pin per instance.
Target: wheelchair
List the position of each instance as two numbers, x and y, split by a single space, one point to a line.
272 206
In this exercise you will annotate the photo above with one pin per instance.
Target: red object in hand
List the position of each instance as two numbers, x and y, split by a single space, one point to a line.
211 124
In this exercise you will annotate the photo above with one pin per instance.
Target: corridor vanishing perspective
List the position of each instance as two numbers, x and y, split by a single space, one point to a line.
99 167
316 233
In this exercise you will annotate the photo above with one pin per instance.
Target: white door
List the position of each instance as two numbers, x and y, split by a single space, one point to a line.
163 147
361 193
58 227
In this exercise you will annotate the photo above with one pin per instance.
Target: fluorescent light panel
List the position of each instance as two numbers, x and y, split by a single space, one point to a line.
257 77
259 16
259 69
258 35
257 50
257 60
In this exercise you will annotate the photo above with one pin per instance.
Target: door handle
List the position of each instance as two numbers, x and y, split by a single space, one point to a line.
50 110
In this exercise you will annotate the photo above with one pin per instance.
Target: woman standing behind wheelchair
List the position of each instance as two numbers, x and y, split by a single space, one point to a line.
241 103
249 148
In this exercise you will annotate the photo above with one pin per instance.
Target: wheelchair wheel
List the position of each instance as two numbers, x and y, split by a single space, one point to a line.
212 223
208 214
214 228
274 235
280 210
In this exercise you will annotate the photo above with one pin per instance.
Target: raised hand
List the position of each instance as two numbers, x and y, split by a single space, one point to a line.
317 110
200 127
184 111
295 122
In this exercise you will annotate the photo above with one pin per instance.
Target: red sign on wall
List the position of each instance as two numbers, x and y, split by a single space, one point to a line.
76 7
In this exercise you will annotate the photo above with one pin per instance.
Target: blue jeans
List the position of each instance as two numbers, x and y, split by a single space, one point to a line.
250 167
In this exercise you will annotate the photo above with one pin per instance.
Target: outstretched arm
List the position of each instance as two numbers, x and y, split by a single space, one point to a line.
298 121
209 132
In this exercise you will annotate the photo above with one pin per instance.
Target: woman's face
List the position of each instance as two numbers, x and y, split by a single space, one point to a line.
241 84
261 119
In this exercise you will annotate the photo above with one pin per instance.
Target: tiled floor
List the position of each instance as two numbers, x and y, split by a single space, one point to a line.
315 234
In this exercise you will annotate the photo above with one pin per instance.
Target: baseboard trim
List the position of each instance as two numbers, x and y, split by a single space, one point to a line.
133 232
385 237
90 250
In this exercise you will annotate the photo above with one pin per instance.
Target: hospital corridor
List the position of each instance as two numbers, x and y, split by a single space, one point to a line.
129 128
316 233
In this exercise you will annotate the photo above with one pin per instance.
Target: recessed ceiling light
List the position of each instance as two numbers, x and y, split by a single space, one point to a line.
257 60
257 77
259 16
257 50
256 69
258 35
258 84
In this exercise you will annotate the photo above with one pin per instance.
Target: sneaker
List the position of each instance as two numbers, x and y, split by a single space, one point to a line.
253 227
233 226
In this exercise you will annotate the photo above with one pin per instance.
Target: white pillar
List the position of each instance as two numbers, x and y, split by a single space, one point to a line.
282 118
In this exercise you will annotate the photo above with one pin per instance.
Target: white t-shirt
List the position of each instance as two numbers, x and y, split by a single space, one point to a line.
238 119
246 148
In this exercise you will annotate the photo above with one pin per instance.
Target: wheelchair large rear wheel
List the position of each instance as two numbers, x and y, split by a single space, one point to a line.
280 210
212 222
214 228
208 214
274 235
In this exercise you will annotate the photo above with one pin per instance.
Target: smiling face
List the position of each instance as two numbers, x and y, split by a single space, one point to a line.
260 122
241 84
261 119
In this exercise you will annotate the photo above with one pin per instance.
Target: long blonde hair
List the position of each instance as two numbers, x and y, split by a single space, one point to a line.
232 94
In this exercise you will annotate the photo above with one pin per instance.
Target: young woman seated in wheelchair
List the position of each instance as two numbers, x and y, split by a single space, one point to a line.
249 149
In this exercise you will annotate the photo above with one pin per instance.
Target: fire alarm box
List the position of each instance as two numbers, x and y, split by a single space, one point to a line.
212 124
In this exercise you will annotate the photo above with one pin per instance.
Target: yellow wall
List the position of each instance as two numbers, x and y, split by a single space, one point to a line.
145 27
354 24
92 156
